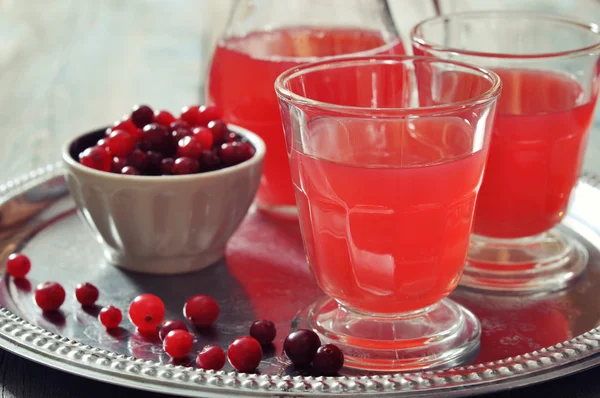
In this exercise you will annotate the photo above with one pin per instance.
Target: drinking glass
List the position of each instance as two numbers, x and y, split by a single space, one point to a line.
549 70
387 155
264 38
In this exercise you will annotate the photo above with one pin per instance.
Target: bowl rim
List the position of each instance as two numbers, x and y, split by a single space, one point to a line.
255 160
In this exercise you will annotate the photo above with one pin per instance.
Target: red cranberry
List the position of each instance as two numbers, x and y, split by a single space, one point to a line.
146 312
18 265
263 331
178 343
328 360
154 138
189 147
49 296
130 170
96 158
164 118
180 132
170 325
179 124
86 293
233 153
245 354
209 161
142 115
301 346
102 143
120 143
128 126
138 159
200 115
166 166
185 166
154 162
233 137
204 136
211 358
110 317
118 164
201 310
219 130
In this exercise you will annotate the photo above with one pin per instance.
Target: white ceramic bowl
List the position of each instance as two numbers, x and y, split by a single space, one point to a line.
163 224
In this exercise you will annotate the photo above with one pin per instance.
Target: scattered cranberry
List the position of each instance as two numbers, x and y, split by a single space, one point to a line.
245 354
110 317
219 130
209 161
233 153
204 136
166 166
154 138
170 325
86 293
49 296
201 310
178 343
328 360
263 331
142 115
96 158
185 166
130 170
154 162
117 164
18 265
211 358
128 126
189 147
164 118
138 159
120 143
146 312
301 346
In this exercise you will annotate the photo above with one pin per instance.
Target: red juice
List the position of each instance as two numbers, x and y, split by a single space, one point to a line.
386 221
241 81
536 154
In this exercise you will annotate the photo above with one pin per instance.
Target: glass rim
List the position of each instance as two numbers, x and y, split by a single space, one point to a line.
283 93
417 38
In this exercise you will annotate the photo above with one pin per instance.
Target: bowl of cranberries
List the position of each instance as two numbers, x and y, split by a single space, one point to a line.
164 193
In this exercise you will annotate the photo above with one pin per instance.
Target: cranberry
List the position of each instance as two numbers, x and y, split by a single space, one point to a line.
154 138
154 161
200 115
166 166
233 153
164 118
178 343
120 143
170 325
146 312
117 164
263 331
201 310
86 293
138 159
219 130
18 265
49 296
328 360
185 166
211 358
96 158
209 161
189 147
102 143
142 115
179 124
110 317
180 132
233 137
130 170
245 354
301 346
128 126
204 136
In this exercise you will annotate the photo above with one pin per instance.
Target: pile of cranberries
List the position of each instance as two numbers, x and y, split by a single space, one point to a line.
147 311
157 143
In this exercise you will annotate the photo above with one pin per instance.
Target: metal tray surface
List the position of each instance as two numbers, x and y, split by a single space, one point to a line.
264 275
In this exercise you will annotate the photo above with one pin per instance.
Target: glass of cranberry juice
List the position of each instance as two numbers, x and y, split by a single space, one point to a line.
266 38
387 156
549 70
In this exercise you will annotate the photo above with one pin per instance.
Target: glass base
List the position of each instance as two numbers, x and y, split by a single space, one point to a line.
442 335
286 212
546 262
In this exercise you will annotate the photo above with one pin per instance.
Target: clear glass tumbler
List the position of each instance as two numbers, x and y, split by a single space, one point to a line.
549 70
387 156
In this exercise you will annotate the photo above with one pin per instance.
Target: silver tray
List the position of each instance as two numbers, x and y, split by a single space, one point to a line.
526 339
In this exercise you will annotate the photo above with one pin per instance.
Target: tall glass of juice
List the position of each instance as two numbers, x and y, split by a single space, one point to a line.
387 155
549 70
268 37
